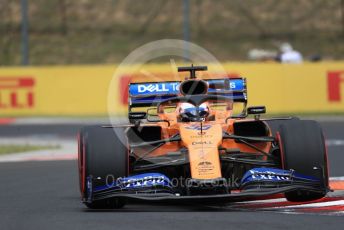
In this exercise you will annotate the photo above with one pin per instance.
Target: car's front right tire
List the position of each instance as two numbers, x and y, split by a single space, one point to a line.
103 153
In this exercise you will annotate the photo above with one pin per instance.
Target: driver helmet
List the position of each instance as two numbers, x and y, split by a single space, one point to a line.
189 112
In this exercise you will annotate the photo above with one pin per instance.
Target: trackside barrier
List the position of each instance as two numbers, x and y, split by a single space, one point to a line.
83 90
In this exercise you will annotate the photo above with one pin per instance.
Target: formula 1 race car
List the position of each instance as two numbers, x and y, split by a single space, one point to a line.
184 144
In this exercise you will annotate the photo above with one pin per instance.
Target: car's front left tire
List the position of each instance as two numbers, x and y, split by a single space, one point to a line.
303 149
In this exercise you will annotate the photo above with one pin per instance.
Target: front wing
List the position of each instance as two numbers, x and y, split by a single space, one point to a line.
156 187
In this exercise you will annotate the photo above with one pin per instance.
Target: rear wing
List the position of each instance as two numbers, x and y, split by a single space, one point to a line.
149 94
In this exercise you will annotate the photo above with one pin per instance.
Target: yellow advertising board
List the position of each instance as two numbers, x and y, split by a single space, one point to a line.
55 90
83 90
306 88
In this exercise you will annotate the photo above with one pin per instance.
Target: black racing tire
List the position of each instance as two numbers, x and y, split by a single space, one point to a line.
274 124
303 148
102 152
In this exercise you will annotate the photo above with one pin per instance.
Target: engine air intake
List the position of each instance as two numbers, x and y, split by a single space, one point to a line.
193 87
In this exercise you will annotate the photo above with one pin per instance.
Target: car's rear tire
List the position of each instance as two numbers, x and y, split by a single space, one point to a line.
303 148
102 152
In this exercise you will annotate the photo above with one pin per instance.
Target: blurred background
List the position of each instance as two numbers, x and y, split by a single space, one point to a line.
58 57
75 47
69 32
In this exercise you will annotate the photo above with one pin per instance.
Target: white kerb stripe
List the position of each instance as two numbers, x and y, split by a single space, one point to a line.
315 205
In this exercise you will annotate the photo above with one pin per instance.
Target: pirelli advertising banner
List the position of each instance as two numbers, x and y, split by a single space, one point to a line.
55 91
84 90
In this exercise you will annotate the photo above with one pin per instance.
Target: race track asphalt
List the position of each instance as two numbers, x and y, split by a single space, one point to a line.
44 195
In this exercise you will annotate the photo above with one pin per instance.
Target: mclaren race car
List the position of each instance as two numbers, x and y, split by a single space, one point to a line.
184 144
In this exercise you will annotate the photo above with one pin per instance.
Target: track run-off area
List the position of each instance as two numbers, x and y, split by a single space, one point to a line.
40 191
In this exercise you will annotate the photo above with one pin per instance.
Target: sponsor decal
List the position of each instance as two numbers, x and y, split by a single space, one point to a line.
202 143
204 163
234 84
268 175
199 135
205 168
258 174
144 182
16 92
154 88
273 175
137 181
168 88
173 87
199 127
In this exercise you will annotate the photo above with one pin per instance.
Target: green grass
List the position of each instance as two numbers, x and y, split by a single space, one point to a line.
13 148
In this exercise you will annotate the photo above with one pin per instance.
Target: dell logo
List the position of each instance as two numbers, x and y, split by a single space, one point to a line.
153 88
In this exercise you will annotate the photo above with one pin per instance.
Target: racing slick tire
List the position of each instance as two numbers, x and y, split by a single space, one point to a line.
303 150
275 124
102 152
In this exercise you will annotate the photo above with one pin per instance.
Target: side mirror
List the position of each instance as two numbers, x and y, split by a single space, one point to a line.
136 116
256 110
